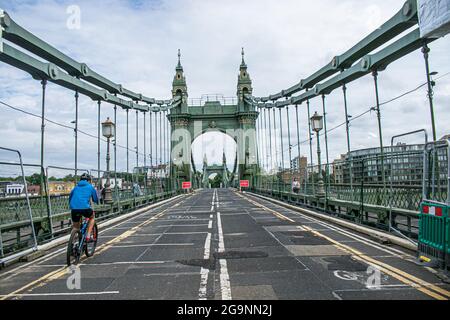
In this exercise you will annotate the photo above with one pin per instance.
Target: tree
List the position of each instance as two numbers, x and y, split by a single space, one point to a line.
34 179
217 181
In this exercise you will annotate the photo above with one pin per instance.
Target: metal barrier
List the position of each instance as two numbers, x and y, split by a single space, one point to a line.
447 241
434 229
30 214
354 187
396 167
46 214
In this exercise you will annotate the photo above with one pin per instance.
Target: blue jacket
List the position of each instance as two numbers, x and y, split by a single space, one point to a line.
81 195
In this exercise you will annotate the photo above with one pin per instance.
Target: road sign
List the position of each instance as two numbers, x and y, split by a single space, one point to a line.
187 185
245 183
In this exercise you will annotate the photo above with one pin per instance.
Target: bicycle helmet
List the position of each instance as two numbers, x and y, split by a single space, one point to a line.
85 177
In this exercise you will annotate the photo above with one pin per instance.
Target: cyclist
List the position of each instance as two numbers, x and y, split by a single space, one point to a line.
80 204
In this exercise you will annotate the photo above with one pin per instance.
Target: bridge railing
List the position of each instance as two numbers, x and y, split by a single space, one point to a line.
363 189
48 196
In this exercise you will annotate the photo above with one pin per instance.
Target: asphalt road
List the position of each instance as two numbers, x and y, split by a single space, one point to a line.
220 244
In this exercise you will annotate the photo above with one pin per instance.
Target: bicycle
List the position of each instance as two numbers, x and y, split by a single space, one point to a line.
77 243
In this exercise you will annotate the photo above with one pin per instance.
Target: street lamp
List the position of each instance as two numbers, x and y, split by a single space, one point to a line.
108 131
317 126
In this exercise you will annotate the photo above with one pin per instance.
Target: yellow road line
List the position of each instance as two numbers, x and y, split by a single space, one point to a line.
404 277
400 275
279 215
42 281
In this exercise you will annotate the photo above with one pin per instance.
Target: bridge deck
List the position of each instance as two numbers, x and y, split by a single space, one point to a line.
221 245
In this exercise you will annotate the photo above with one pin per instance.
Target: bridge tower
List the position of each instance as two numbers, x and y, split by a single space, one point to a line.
179 87
225 178
244 85
180 120
205 181
247 116
237 120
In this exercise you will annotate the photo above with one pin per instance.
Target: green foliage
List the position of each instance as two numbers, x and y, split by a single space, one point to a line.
35 179
215 183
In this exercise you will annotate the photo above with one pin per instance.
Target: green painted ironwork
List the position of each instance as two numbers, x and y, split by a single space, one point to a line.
189 122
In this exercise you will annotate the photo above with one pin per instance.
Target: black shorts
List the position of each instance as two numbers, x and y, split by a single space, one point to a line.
77 214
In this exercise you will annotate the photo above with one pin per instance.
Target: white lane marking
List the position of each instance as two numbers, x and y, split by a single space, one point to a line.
182 225
203 283
217 199
219 227
225 287
104 264
55 253
212 201
181 233
182 220
152 245
207 247
204 273
224 280
395 252
61 294
175 273
57 273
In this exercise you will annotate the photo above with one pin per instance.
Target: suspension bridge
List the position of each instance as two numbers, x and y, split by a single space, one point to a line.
371 225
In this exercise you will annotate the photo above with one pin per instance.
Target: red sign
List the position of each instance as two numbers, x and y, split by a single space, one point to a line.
245 184
187 185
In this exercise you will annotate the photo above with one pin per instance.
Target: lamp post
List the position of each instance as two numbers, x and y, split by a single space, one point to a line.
108 130
317 126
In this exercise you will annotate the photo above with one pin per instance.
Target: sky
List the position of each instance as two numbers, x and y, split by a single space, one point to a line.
135 43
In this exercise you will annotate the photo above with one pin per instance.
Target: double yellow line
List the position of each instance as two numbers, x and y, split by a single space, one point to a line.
419 284
404 277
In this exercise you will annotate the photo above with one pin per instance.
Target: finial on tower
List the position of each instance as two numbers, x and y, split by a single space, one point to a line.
179 66
243 65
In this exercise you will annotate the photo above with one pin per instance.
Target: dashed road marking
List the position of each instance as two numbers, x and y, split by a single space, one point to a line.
56 274
225 287
400 275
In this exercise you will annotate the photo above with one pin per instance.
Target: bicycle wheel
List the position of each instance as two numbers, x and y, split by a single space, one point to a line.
89 248
73 248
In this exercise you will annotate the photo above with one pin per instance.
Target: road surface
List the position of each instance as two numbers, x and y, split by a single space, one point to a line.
220 245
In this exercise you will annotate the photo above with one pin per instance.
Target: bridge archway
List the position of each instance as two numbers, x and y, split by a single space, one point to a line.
235 118
214 152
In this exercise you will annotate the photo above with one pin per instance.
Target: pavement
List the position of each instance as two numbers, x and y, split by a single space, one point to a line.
224 245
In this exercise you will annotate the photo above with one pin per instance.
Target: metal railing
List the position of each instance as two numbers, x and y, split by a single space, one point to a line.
355 190
39 216
224 101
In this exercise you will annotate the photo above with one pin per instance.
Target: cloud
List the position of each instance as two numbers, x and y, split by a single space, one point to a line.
135 43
